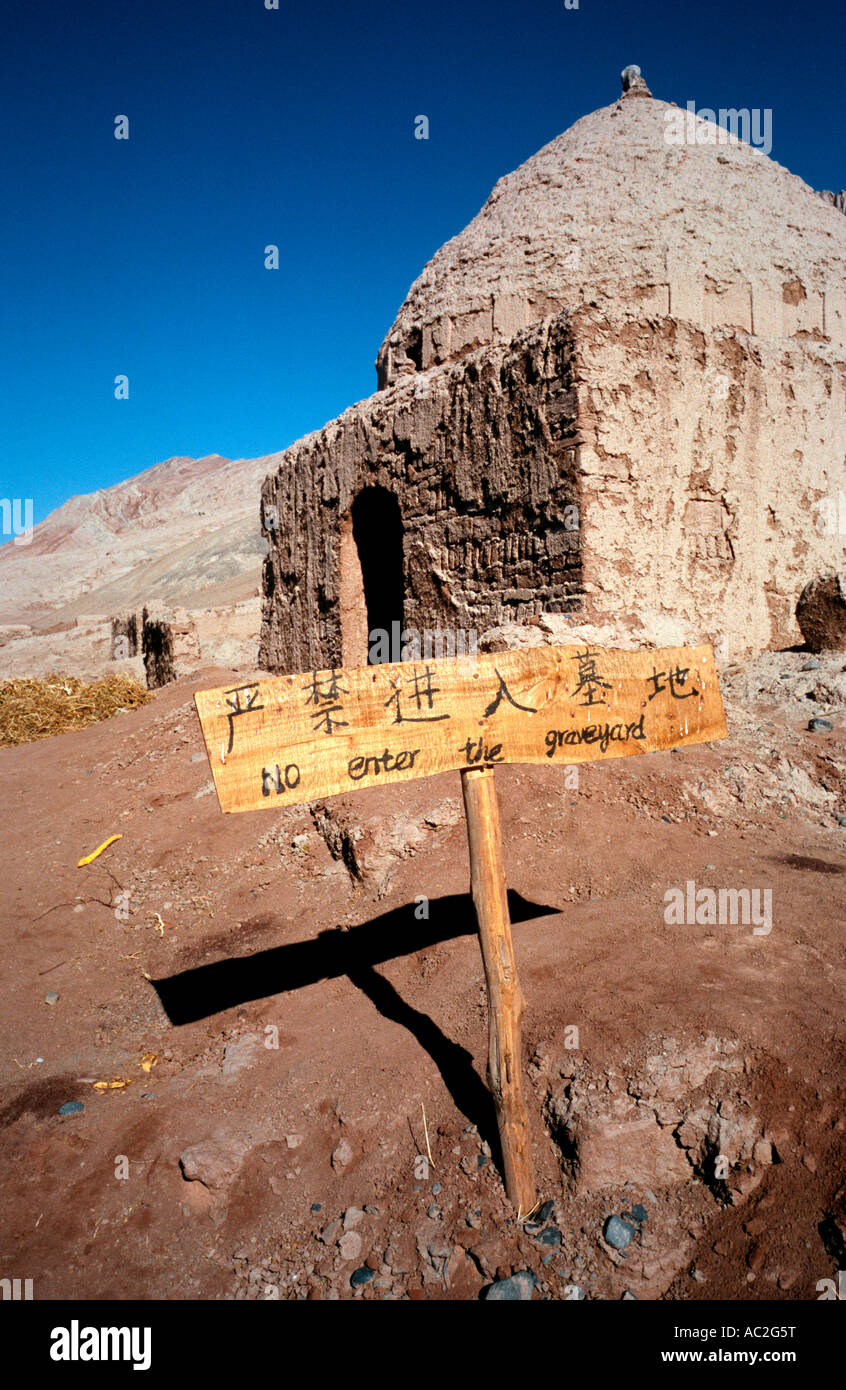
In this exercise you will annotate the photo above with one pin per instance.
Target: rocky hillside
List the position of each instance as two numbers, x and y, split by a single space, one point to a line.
184 532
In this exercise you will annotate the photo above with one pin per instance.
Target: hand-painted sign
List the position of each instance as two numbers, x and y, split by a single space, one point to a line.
287 739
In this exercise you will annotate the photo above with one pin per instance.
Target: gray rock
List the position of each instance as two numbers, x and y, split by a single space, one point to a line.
551 1236
518 1289
820 726
71 1107
362 1276
51 997
618 1233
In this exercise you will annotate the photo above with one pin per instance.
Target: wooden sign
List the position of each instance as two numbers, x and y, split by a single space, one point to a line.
288 739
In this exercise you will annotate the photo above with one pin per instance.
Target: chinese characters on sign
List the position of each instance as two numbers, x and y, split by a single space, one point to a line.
250 694
288 739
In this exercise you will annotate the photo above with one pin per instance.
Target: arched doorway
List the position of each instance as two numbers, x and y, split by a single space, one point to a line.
372 582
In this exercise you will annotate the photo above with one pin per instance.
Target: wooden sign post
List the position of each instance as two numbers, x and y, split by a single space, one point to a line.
283 740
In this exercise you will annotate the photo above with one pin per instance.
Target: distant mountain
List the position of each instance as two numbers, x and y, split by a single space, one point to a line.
185 532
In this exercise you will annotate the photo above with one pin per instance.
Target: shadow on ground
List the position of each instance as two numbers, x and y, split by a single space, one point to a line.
208 989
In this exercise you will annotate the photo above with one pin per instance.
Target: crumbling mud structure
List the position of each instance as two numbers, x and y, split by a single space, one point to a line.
621 390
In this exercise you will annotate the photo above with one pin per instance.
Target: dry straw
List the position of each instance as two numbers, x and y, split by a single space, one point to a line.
32 709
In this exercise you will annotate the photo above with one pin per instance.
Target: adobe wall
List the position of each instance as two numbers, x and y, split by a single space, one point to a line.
705 456
483 458
783 308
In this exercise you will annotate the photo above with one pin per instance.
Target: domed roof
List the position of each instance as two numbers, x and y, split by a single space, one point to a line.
643 204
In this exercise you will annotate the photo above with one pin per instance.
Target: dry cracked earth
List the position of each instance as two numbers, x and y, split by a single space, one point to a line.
287 1009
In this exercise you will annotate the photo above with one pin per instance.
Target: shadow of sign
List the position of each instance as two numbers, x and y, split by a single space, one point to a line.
208 989
195 994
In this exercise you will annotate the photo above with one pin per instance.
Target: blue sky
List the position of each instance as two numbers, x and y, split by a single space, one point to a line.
295 126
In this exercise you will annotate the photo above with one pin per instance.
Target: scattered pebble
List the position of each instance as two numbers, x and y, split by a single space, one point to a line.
51 998
618 1233
361 1276
517 1289
342 1155
551 1236
350 1245
820 726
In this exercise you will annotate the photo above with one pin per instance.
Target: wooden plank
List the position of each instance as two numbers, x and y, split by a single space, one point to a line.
505 998
288 739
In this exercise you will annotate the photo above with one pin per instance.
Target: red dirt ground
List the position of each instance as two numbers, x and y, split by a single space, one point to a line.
292 1005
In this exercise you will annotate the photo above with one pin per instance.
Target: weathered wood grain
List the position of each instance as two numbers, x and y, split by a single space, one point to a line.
505 997
289 739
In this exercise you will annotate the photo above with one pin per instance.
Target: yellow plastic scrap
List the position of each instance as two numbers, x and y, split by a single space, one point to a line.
117 1083
99 850
148 1061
